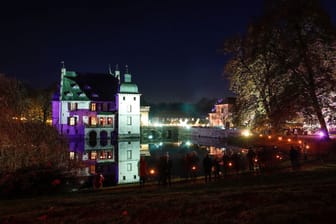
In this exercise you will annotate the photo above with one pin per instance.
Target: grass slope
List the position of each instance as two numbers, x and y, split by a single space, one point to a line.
304 196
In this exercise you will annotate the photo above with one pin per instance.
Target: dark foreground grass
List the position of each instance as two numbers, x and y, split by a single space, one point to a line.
305 196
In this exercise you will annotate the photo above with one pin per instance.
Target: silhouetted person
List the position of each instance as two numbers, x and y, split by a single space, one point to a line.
168 169
236 161
207 164
216 166
142 171
250 158
294 157
225 163
98 181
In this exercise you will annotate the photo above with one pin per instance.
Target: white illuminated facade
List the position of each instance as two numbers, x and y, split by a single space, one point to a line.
221 114
129 156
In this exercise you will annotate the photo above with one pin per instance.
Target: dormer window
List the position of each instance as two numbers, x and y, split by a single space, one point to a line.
75 86
81 94
93 107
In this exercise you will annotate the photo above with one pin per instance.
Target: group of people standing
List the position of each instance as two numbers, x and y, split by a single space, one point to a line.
164 170
213 167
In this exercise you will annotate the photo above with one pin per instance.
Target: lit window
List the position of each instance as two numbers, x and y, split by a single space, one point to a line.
129 154
101 121
92 168
72 155
93 121
72 106
102 155
93 155
129 120
109 120
129 166
72 121
109 155
93 107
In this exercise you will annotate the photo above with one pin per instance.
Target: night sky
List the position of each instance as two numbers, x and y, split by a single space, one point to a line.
172 48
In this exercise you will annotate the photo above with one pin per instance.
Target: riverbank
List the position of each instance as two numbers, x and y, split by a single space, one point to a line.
304 196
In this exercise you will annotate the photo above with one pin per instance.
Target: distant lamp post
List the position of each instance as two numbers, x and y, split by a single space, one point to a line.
246 133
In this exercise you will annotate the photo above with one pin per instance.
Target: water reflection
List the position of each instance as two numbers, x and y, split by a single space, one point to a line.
119 160
187 155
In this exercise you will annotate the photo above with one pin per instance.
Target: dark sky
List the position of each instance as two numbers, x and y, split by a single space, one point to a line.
171 47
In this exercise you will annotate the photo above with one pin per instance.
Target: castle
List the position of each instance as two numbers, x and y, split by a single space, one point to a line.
100 116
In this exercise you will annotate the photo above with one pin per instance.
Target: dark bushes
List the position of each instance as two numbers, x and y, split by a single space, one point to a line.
30 181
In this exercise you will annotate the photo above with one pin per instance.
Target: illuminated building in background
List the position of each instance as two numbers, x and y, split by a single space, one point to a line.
144 115
221 114
99 114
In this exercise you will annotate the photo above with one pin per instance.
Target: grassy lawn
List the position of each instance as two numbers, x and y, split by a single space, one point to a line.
304 196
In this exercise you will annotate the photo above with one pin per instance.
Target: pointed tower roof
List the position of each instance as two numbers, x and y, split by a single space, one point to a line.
127 86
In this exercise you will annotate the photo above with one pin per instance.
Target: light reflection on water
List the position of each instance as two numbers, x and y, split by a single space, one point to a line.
183 151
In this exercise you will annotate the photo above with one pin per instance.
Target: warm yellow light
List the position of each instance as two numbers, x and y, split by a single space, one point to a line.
246 133
300 142
152 171
307 147
280 138
269 137
289 140
260 135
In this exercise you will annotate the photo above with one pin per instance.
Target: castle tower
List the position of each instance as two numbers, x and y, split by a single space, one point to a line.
128 107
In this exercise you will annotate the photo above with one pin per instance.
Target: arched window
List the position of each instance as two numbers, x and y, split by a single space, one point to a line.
92 138
103 138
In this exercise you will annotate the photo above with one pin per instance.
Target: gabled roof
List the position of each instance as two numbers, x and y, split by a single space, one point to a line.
89 86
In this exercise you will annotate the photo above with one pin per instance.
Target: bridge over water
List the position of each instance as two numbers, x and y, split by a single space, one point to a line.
175 133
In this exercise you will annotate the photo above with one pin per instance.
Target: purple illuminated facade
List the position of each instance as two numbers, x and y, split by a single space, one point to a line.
97 112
